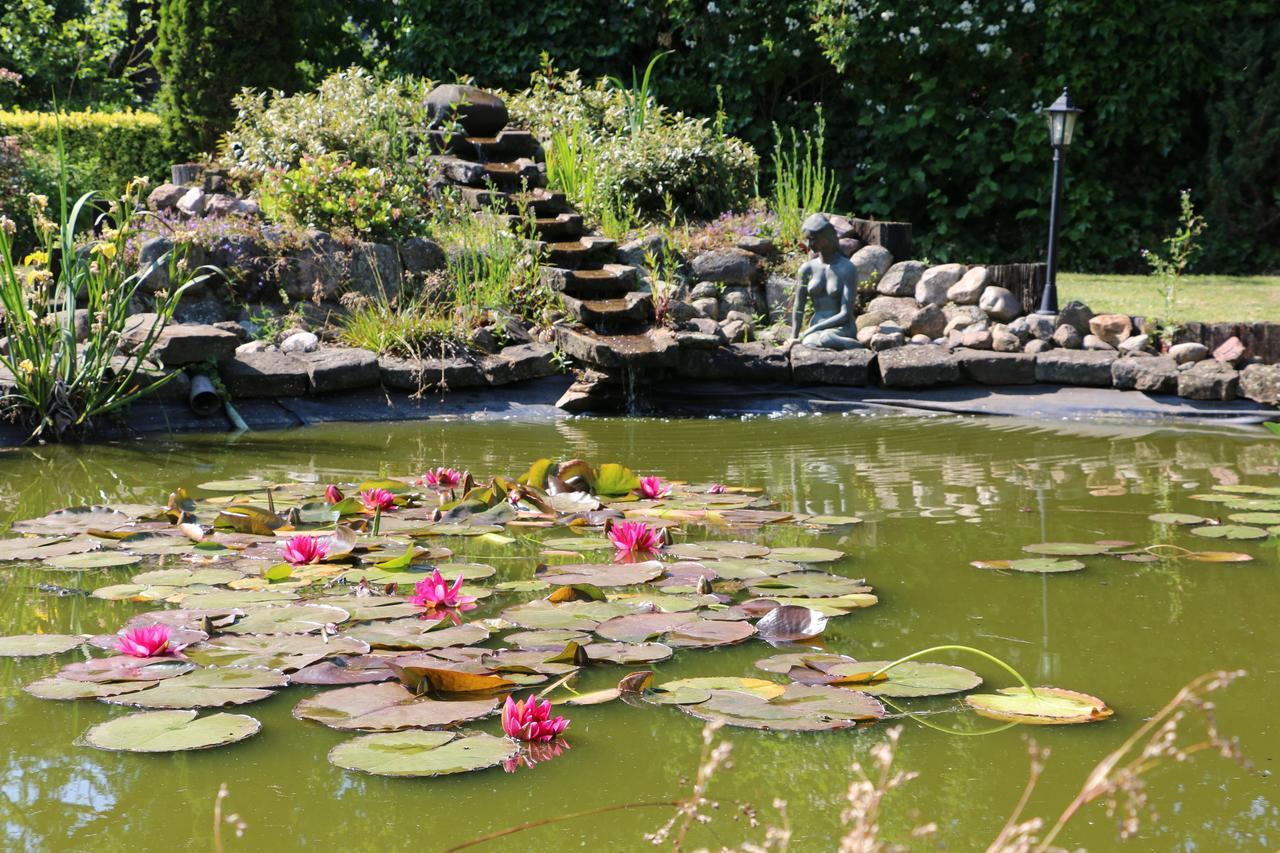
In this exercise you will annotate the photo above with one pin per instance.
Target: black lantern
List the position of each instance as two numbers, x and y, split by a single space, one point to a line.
1062 115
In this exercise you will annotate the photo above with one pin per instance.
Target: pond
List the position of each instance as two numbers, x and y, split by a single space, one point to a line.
934 494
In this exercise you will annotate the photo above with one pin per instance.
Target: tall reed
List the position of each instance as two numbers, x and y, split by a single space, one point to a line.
803 184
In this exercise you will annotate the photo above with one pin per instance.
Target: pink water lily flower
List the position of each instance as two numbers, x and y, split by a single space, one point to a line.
332 494
653 487
147 641
443 478
435 593
378 499
718 488
304 550
531 720
630 536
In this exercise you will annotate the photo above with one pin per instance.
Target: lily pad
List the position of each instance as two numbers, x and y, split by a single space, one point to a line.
1041 566
387 708
187 577
912 678
288 619
1177 518
627 654
1067 549
125 668
64 688
76 519
1217 557
1266 519
361 669
416 753
417 634
247 484
576 543
231 598
283 652
1050 706
35 645
755 686
206 688
809 585
170 731
800 707
717 550
573 615
549 638
603 575
806 555
93 560
1230 531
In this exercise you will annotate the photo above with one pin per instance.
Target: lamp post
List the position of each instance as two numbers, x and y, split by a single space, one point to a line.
1062 115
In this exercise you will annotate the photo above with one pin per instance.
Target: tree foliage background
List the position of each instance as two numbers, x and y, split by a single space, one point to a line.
932 107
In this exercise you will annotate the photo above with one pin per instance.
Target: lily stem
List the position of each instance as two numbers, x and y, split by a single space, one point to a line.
493 836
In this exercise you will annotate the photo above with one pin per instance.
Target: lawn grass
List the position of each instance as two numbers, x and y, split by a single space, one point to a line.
1207 298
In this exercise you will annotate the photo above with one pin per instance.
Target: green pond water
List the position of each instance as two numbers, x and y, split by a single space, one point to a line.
935 494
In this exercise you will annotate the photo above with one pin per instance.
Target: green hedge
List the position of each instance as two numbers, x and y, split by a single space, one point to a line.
103 152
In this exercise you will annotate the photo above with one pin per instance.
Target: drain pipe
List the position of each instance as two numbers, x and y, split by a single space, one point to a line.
205 400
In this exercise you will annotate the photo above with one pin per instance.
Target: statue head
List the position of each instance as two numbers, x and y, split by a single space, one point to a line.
819 233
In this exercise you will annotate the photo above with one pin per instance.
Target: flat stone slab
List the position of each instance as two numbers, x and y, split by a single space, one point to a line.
332 370
653 348
181 343
519 364
917 366
987 367
1156 375
429 373
265 374
817 366
757 362
1075 367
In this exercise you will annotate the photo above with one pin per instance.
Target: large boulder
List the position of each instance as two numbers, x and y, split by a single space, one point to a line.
374 270
1156 375
900 279
1261 382
968 290
1076 315
1111 328
480 113
872 262
1232 351
900 309
813 366
1209 380
1075 367
726 265
999 303
519 363
637 253
1189 352
179 343
929 320
996 368
917 367
419 255
1041 326
1067 336
934 283
165 197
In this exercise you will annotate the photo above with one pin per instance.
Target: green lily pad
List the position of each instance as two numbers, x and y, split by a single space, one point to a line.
1266 519
93 560
627 654
573 615
76 519
755 686
833 520
1038 566
187 577
416 753
716 550
225 599
1050 706
206 688
417 634
613 479
35 645
283 652
246 484
1067 549
1230 531
548 638
170 731
806 555
387 708
912 678
576 543
603 575
800 707
1177 518
133 592
125 668
65 689
784 663
808 585
287 619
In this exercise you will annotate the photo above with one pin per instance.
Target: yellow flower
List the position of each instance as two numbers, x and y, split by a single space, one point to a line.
26 367
107 250
36 259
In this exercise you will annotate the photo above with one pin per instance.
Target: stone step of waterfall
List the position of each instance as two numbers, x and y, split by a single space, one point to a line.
631 312
652 349
583 253
543 202
516 176
609 282
566 226
508 145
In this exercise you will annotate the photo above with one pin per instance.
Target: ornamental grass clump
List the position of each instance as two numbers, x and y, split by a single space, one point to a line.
62 378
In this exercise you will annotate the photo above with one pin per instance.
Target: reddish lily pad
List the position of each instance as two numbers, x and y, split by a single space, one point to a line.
422 754
387 708
1050 706
361 669
170 731
125 668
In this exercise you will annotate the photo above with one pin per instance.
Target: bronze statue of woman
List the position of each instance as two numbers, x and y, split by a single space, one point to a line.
831 281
